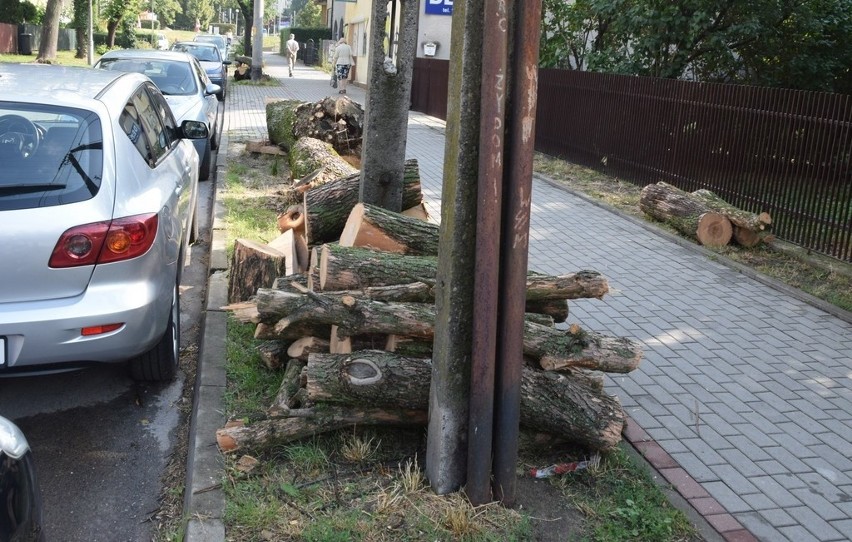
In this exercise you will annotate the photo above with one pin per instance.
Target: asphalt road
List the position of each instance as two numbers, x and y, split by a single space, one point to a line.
102 441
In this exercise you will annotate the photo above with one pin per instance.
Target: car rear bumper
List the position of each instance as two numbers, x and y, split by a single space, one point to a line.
47 333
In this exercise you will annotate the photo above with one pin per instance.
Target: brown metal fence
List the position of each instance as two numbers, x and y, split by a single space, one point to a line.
761 149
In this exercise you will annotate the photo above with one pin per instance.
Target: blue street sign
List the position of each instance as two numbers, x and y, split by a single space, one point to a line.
439 7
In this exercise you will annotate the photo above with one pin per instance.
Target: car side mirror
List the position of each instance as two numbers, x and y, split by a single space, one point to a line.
226 62
193 129
212 89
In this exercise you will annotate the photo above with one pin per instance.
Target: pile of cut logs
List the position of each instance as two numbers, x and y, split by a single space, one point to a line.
704 216
344 302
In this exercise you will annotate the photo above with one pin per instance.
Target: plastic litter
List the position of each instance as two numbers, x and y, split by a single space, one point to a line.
562 468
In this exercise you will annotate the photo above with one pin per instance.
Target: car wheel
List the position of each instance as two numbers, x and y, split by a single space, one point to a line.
161 362
193 226
204 168
221 95
215 137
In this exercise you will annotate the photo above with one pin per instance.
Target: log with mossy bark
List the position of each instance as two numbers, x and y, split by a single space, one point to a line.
554 348
688 214
750 229
344 268
338 121
373 227
318 160
378 381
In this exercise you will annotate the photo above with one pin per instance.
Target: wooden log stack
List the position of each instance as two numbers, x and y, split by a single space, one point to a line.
704 216
359 324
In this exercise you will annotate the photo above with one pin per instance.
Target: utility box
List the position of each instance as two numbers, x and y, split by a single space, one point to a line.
25 44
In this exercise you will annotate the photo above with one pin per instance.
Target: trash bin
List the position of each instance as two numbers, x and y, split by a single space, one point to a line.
25 44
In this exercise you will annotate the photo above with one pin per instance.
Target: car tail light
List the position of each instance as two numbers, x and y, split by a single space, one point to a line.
99 330
104 242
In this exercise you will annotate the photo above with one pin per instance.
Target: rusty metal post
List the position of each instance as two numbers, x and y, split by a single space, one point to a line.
487 258
515 243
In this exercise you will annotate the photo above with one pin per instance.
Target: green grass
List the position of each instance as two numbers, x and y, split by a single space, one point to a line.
253 386
63 58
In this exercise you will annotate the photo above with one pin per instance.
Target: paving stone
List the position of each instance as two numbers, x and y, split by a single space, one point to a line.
777 517
815 524
727 497
770 486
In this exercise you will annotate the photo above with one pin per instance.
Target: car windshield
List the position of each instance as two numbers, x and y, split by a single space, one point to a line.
204 53
50 155
172 77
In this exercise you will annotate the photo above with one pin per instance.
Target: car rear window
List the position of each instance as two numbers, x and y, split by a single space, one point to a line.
172 77
48 155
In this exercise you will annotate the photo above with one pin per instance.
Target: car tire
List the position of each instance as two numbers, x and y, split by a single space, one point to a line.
193 226
204 168
160 364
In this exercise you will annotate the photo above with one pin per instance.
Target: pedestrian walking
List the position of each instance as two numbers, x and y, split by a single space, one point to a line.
292 48
343 61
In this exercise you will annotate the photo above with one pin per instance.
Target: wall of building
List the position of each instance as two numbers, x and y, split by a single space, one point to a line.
435 26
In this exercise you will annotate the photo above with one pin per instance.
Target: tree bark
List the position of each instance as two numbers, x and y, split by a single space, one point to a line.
575 348
253 266
373 227
285 399
553 348
49 31
327 206
687 213
309 156
345 268
550 402
303 423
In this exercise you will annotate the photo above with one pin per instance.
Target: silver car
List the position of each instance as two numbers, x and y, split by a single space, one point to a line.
184 83
211 59
98 196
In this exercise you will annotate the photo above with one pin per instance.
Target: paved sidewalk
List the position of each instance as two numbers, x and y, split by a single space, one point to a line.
743 401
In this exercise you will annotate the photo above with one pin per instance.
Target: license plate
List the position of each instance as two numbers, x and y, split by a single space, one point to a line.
2 350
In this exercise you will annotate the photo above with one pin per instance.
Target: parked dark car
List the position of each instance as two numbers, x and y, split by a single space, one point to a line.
211 59
20 499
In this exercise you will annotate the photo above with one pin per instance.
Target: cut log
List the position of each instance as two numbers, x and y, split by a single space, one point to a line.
418 211
328 206
285 399
295 250
319 159
352 316
738 217
268 332
273 354
373 227
415 292
348 268
304 423
280 115
554 308
253 266
686 213
550 402
301 348
337 121
338 344
553 348
576 348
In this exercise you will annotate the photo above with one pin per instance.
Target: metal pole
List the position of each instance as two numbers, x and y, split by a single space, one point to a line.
515 243
487 256
90 50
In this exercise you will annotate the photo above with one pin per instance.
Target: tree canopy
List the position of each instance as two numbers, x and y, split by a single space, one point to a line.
802 44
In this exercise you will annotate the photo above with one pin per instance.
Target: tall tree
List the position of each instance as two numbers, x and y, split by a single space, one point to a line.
81 25
50 31
115 11
247 10
804 44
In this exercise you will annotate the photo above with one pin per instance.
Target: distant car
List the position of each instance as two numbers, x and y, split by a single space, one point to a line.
211 60
162 42
98 197
182 80
218 40
21 513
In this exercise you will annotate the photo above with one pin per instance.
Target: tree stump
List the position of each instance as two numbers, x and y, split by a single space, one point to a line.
253 266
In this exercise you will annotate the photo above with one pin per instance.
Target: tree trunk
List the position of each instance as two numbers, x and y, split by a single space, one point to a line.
327 206
687 213
370 226
253 266
309 155
50 32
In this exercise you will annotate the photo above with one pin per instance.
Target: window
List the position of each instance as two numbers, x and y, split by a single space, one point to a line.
141 121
